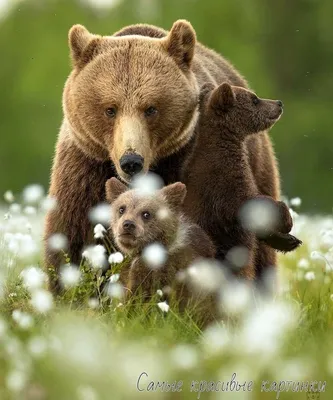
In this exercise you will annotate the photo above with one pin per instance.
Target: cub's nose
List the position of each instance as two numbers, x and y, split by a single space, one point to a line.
279 102
128 226
131 164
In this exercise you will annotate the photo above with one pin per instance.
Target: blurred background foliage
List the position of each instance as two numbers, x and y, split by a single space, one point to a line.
284 49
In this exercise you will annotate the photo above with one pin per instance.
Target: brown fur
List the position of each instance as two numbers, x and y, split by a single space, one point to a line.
228 116
139 220
139 67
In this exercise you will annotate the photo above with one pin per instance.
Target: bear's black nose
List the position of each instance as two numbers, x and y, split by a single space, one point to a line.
279 103
131 164
128 226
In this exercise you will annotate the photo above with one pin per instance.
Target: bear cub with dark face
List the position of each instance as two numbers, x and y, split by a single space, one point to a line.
139 220
229 114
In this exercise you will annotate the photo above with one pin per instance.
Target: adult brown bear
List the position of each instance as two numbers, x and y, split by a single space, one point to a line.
131 104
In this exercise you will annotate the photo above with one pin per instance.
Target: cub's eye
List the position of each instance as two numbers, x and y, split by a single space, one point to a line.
255 101
150 111
111 112
145 215
121 210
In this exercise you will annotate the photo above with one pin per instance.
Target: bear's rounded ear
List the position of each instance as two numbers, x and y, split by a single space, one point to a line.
82 45
180 43
205 91
113 189
223 97
174 194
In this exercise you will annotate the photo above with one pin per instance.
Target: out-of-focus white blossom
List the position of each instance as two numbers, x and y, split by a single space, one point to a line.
42 301
159 292
115 290
8 196
310 276
93 303
162 213
48 203
184 356
303 263
37 346
16 380
30 210
100 214
296 202
33 277
57 242
70 275
114 278
23 319
86 393
147 184
236 297
154 255
15 208
205 275
32 194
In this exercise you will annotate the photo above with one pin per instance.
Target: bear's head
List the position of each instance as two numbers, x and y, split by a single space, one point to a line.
139 219
131 98
238 110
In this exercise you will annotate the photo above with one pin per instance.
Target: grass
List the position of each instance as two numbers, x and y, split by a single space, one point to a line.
77 351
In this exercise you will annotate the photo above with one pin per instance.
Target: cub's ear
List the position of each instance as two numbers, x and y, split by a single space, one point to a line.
113 189
174 194
82 45
205 92
180 43
223 97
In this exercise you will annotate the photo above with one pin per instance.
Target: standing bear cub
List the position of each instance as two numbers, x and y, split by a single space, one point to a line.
229 114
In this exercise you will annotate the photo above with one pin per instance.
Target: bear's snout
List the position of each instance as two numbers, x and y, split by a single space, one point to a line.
131 164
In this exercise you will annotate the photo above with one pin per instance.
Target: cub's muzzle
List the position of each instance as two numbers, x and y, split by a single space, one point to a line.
131 164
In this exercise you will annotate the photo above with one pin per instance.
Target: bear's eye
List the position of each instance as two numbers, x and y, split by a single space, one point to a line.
121 210
150 111
255 101
146 215
111 112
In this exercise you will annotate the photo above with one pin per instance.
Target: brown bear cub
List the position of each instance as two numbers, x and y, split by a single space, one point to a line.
229 114
139 220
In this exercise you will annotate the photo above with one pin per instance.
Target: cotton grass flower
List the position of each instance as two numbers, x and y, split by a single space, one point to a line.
33 277
259 215
41 301
70 275
93 303
96 256
86 393
115 290
100 214
163 306
154 255
57 242
303 263
159 293
184 356
8 196
235 297
16 381
30 210
114 278
205 275
99 231
116 258
37 346
48 203
310 276
147 184
32 194
296 202
23 319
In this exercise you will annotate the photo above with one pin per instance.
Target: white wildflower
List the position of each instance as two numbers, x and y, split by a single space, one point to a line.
86 393
163 213
155 255
238 256
8 196
184 356
37 346
93 303
235 297
147 184
48 203
310 276
115 290
100 214
163 306
33 194
99 231
33 277
30 210
303 263
96 255
16 380
116 258
159 292
15 208
216 338
296 202
205 275
70 275
23 319
42 301
114 278
57 242
259 215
